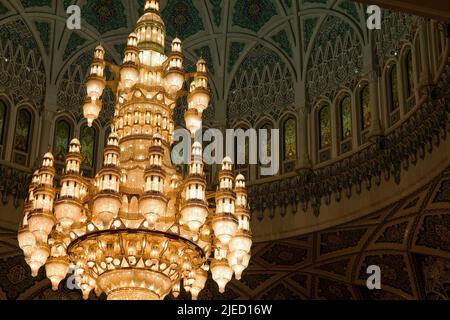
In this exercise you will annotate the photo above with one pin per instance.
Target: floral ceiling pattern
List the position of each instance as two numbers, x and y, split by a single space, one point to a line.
225 33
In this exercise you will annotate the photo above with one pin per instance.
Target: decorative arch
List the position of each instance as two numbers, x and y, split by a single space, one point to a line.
335 59
262 85
398 28
408 73
21 64
4 121
344 108
289 137
363 109
392 92
323 130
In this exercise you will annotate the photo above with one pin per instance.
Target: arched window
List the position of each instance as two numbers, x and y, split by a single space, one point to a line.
3 115
439 41
88 144
394 103
23 131
290 139
62 139
345 112
364 108
409 83
324 127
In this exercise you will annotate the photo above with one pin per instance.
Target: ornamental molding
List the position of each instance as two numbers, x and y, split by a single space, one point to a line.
386 157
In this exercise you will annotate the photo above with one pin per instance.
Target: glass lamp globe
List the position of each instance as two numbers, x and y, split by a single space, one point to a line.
199 99
193 120
129 74
91 110
26 240
67 213
95 87
38 258
199 283
224 227
242 241
56 269
221 273
41 224
174 81
194 216
238 261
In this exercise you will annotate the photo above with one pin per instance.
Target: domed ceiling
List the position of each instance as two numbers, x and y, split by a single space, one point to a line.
289 41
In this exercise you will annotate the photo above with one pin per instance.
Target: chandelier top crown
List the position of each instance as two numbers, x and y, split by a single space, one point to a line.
152 6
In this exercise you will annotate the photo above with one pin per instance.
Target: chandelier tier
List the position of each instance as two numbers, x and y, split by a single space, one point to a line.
139 230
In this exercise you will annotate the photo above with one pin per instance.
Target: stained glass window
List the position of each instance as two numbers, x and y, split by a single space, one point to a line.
365 111
62 140
2 120
290 139
87 140
325 127
346 117
410 75
393 83
23 131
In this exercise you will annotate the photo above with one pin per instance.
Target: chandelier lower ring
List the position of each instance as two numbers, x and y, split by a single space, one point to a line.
134 264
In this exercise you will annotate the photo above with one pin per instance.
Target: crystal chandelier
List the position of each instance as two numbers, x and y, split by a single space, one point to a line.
139 230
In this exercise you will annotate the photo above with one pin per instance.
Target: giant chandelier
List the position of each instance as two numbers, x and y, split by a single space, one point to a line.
139 230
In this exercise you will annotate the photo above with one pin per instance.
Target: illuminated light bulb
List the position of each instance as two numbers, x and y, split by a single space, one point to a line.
242 241
38 258
67 212
26 240
56 269
199 99
199 283
174 81
238 261
95 87
176 289
153 207
193 120
129 75
41 224
91 110
221 273
106 208
224 227
239 252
